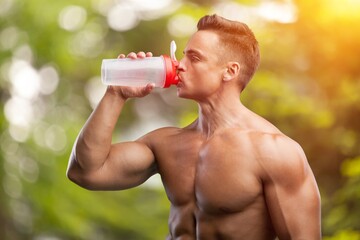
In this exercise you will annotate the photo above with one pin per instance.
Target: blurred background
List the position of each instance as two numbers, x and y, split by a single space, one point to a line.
308 85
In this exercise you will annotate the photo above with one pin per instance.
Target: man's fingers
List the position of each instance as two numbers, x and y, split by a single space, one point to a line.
146 90
132 55
141 55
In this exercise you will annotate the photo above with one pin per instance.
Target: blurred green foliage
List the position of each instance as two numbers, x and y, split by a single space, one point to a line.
50 56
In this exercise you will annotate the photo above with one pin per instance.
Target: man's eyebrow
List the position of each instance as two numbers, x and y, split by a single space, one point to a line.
193 51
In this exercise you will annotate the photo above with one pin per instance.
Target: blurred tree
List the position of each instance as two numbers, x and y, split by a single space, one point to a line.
50 56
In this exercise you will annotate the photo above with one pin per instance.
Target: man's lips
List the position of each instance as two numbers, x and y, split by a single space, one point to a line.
180 83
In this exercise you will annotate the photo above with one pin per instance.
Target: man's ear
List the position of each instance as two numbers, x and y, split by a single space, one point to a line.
232 71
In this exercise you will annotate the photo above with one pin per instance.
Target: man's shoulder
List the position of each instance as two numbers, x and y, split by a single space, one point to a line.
274 145
253 135
162 135
271 148
268 136
280 156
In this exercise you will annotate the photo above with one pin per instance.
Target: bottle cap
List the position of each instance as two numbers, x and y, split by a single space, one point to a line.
171 65
171 71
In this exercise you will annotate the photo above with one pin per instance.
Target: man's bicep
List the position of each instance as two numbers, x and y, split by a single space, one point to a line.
295 213
128 165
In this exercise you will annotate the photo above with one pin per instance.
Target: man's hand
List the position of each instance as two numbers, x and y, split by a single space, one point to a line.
133 92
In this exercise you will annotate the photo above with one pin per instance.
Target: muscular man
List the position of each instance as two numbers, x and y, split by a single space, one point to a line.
228 175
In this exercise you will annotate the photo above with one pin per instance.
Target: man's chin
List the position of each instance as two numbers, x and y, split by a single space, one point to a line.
183 95
180 95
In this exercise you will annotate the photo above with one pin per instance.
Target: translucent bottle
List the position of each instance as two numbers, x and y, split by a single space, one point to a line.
162 70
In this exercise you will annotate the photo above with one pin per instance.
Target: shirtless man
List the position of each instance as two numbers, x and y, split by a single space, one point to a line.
228 175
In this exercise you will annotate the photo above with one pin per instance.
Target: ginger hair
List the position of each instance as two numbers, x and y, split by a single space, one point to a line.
238 42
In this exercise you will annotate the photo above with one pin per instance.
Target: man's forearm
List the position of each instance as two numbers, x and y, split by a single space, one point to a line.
94 141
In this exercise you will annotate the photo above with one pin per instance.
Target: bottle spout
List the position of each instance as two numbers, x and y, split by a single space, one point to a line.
171 66
173 50
172 55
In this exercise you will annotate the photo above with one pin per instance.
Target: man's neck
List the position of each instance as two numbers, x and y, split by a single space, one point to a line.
220 112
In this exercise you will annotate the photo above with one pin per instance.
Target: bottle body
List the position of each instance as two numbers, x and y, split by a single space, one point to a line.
134 72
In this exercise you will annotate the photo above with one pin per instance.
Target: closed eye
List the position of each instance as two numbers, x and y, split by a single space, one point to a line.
194 58
193 55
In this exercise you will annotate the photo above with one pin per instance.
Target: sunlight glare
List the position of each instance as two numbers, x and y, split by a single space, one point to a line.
49 79
25 80
19 133
266 11
94 91
122 17
278 12
237 12
181 25
72 18
149 10
146 5
345 8
19 111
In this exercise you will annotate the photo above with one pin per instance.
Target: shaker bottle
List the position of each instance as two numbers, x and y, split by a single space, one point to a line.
162 70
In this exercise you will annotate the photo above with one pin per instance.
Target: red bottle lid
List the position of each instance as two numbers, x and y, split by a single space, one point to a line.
171 77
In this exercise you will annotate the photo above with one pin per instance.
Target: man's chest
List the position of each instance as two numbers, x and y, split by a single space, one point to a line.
219 176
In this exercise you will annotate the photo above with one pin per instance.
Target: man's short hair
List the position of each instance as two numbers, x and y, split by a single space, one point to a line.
238 41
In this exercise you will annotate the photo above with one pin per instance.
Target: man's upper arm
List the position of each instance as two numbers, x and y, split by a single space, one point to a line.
128 165
291 191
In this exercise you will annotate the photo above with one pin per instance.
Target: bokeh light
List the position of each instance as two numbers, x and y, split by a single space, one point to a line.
50 58
49 79
279 12
282 12
9 38
181 25
19 111
25 80
5 7
55 138
122 17
94 91
72 18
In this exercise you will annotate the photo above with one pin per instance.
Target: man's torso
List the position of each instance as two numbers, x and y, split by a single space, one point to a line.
214 183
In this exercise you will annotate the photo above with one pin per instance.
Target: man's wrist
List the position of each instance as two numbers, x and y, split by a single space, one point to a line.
111 90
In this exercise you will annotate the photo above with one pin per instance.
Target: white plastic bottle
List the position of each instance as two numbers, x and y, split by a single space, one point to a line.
162 70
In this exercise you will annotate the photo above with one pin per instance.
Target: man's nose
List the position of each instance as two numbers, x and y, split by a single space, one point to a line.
181 66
